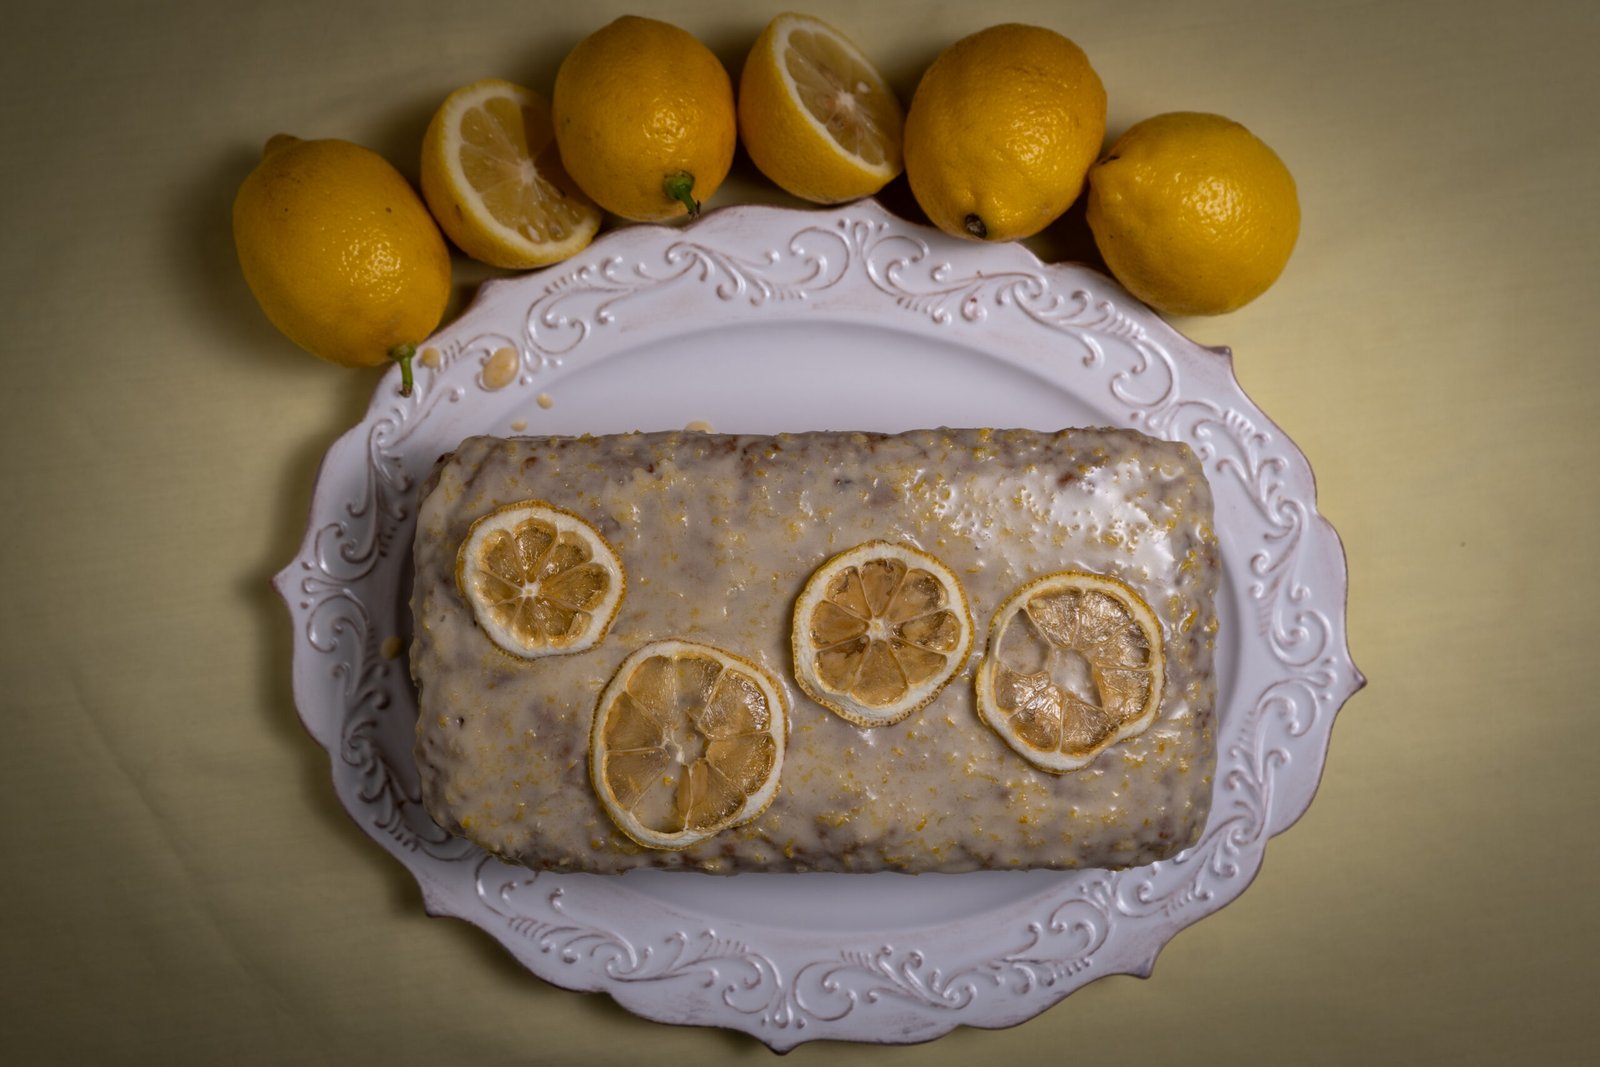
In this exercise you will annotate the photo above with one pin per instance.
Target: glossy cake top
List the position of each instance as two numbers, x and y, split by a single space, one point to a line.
720 536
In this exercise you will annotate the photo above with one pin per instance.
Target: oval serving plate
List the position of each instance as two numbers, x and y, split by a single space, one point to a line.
761 320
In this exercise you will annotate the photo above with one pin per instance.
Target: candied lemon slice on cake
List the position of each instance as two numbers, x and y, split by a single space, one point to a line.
540 580
1074 665
879 630
688 741
494 180
815 115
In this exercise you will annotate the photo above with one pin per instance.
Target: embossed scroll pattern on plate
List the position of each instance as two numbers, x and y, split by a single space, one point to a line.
997 965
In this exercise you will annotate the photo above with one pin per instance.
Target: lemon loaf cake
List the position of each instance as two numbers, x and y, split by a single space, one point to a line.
943 650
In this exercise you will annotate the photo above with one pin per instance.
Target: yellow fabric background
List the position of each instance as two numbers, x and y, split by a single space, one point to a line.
180 885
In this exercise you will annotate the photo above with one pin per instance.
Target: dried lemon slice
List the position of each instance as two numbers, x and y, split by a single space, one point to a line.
540 580
688 741
1074 665
879 630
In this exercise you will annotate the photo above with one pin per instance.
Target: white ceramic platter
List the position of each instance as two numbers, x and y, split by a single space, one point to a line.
761 320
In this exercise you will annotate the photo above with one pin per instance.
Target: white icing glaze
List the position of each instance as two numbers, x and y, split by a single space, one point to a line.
718 533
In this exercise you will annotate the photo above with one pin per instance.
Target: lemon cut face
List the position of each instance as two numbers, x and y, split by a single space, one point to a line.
1074 664
815 115
540 580
493 178
688 741
879 631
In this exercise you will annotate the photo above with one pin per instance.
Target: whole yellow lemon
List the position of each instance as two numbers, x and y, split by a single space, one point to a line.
1194 214
340 252
1001 130
645 119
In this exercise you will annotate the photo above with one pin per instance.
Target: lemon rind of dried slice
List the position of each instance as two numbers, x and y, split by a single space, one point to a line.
460 208
787 25
920 695
511 517
1060 762
756 803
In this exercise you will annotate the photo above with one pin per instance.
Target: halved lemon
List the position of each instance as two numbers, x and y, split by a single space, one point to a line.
878 631
494 181
540 580
1074 664
815 116
688 741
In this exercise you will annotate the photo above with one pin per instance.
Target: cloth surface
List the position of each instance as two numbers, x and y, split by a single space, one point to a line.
180 883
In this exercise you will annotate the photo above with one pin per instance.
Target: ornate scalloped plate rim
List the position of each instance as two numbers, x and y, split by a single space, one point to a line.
853 264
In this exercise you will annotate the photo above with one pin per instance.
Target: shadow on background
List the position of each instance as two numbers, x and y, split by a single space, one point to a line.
217 292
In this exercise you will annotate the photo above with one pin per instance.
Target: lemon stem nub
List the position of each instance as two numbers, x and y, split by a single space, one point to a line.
976 227
680 187
402 354
277 141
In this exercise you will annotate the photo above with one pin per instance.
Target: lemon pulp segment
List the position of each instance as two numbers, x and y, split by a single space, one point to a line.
688 741
1074 664
645 118
493 178
814 114
1001 130
879 630
540 580
845 96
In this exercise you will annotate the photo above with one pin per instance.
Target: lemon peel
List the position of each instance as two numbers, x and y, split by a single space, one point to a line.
341 253
815 116
688 740
1074 663
878 631
493 179
540 580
